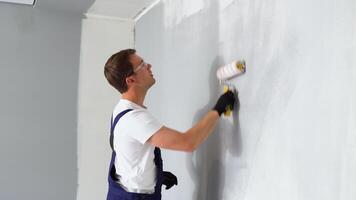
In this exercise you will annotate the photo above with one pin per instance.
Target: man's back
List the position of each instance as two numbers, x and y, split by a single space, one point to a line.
134 161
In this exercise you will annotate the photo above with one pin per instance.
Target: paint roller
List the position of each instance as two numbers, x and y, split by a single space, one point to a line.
227 72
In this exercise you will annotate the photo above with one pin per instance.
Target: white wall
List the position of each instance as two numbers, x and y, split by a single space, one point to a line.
294 136
101 37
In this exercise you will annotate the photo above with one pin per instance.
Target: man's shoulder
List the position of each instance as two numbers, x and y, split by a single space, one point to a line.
133 114
139 114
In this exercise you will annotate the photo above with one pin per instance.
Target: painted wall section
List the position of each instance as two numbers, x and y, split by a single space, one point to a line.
293 135
176 10
39 63
100 39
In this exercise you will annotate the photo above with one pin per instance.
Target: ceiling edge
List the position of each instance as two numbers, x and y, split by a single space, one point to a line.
145 10
90 15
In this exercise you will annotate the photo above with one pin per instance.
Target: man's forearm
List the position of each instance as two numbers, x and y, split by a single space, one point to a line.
197 134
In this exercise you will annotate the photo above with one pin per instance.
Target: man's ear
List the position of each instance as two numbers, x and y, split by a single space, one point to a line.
130 80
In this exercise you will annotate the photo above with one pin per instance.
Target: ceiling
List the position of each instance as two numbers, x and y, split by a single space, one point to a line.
127 9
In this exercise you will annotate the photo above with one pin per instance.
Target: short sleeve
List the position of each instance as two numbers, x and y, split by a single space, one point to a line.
142 125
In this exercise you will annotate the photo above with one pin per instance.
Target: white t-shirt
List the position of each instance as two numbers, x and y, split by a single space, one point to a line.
134 161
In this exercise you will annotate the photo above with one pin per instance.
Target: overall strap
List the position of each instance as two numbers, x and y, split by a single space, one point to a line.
113 124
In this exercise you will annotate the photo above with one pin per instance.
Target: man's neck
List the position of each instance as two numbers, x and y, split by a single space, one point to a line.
135 97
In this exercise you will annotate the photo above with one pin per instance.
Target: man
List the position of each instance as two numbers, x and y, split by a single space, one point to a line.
136 137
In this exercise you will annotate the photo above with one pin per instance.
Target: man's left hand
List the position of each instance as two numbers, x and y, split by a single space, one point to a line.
169 180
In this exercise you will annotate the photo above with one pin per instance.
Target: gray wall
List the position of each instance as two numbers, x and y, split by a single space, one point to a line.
39 62
293 136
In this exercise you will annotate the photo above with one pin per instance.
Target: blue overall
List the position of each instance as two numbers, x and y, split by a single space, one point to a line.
116 192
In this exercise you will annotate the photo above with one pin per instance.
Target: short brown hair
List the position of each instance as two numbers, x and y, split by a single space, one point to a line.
118 68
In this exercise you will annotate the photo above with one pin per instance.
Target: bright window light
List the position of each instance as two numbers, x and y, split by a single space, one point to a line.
27 2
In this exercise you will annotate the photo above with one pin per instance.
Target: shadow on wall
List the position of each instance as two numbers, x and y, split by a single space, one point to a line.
206 164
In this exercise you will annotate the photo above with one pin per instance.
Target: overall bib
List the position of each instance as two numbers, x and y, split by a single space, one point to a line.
116 192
